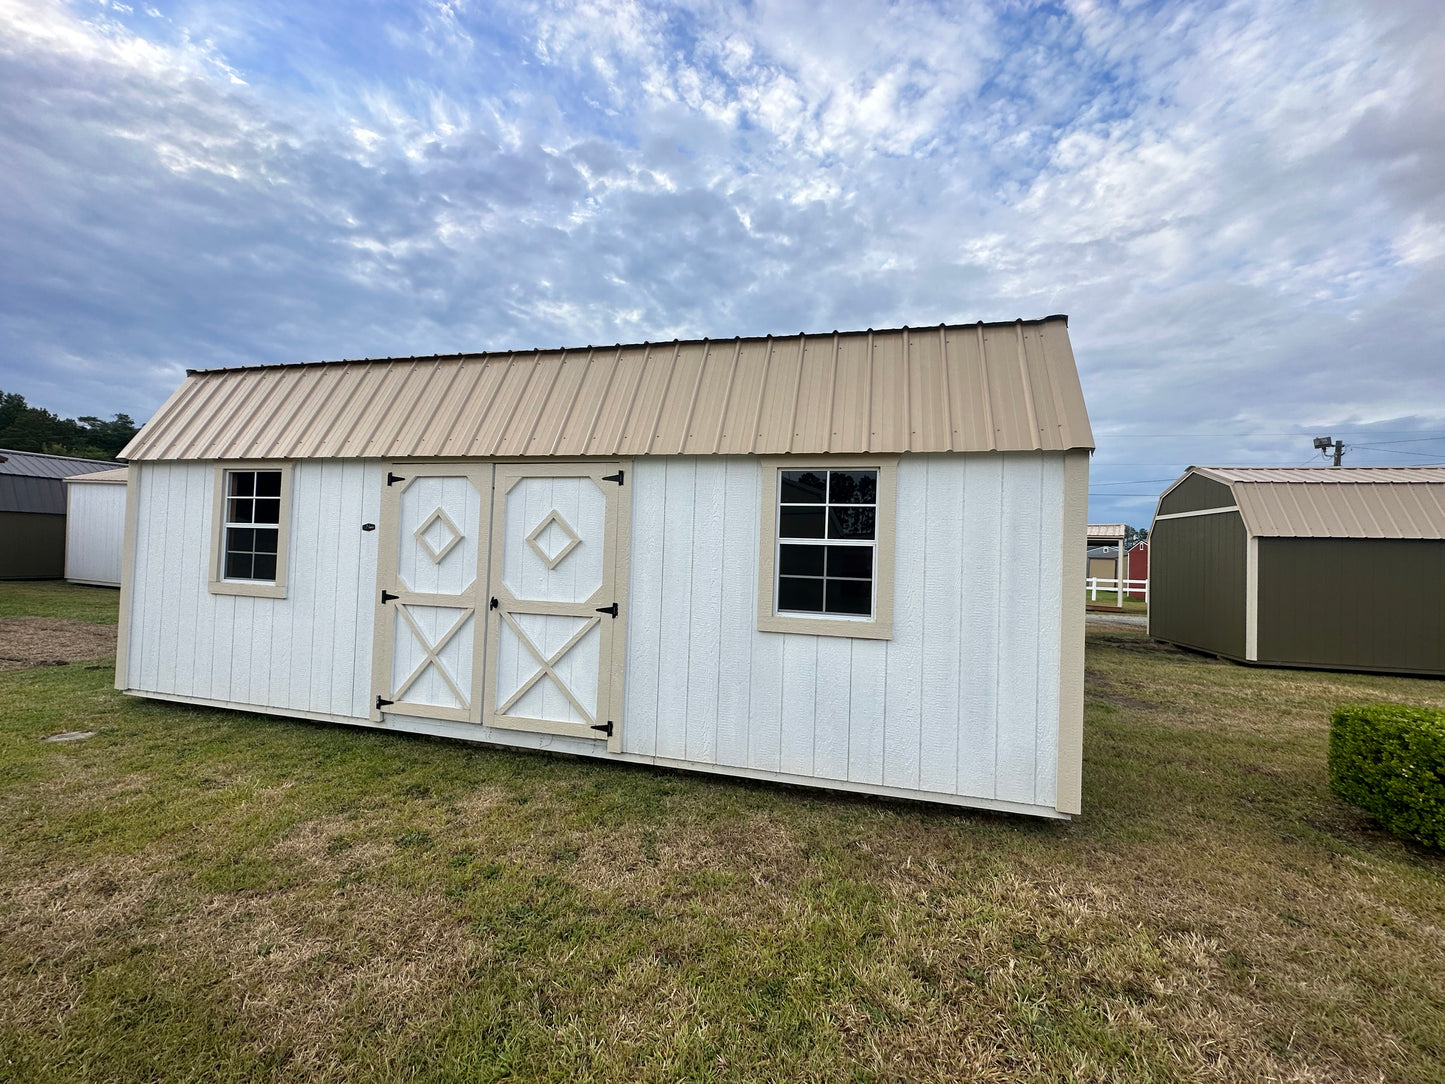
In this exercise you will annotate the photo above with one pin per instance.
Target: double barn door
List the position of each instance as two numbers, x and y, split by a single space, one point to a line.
500 594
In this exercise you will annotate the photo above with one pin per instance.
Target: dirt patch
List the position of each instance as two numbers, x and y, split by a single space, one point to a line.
1141 646
1100 687
52 641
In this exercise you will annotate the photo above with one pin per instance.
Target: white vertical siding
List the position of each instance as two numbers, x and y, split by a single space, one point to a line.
903 661
94 532
307 652
738 611
644 617
981 613
961 702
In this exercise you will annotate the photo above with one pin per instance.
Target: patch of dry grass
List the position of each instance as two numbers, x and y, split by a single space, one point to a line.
52 641
202 895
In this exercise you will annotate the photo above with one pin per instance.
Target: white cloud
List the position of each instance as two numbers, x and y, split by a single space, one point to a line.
1239 203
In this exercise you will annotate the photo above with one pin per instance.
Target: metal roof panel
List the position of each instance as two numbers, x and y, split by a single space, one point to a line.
1337 502
977 387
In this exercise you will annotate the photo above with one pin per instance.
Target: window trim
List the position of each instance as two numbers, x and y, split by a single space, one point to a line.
219 585
880 625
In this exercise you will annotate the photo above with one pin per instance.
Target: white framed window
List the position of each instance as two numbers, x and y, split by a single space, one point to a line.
826 563
252 520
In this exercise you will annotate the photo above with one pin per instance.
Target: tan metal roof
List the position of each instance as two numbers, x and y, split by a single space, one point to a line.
1337 502
1332 475
1109 531
118 476
969 387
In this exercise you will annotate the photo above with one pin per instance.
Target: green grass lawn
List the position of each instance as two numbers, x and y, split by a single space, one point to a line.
1111 598
203 895
56 598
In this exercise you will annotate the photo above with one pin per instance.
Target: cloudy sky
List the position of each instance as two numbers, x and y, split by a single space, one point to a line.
1241 205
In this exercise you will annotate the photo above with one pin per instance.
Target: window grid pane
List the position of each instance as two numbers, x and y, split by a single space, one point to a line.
253 499
817 508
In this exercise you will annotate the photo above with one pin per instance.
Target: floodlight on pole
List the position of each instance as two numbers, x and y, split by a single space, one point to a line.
1323 445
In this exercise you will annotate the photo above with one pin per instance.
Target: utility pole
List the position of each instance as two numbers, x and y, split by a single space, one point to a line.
1324 444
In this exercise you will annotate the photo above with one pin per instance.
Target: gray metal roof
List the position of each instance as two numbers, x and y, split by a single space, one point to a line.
1337 502
39 465
969 387
32 482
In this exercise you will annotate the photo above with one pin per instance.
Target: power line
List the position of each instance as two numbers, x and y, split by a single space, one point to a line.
1416 440
1393 451
1138 481
1282 433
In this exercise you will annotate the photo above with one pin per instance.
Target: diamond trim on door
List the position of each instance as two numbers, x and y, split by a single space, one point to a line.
572 543
572 688
429 643
437 555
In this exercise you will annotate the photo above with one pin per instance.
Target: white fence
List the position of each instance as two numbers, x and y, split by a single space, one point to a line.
1132 588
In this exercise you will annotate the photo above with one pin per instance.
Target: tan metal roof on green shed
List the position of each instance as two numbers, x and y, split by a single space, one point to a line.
962 387
1336 502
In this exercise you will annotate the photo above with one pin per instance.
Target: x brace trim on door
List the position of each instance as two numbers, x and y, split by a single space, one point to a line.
432 655
547 665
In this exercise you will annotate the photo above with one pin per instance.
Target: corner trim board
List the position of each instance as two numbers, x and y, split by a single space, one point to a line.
127 574
1251 600
1074 527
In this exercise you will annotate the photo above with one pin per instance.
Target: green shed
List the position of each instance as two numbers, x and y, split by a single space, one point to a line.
1334 568
32 512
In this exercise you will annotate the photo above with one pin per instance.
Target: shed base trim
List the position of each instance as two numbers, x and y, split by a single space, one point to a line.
1281 664
441 728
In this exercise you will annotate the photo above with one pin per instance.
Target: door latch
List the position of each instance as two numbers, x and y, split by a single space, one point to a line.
494 604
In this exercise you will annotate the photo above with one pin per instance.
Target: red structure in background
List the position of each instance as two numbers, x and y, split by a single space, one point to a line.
1137 562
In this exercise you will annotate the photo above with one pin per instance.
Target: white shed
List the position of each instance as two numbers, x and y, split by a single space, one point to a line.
95 527
843 560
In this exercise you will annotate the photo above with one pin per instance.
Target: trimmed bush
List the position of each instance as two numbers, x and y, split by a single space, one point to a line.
1389 759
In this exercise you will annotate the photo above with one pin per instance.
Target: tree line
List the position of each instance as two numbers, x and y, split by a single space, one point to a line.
26 428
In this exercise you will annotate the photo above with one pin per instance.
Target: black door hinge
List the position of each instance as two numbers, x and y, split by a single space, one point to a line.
606 727
608 609
613 477
387 596
381 703
494 604
392 479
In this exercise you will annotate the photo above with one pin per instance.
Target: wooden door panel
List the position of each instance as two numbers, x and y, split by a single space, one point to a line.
554 631
435 523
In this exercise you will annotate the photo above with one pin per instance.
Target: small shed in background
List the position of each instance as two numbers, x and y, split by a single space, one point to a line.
1337 568
1137 560
32 512
1104 562
95 527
